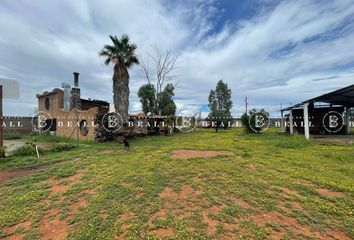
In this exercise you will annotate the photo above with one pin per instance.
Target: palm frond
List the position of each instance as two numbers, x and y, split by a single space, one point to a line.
121 51
104 53
107 61
125 39
114 38
109 48
133 46
131 61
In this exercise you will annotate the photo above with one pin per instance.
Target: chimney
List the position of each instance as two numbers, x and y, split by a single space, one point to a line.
67 96
75 93
76 79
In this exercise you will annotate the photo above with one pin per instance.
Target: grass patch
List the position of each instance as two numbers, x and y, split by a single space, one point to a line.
26 150
60 147
292 142
265 188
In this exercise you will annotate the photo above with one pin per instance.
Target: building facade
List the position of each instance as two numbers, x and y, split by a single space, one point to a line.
70 115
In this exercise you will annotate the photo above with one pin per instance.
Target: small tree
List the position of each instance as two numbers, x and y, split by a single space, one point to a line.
147 97
220 104
165 101
249 121
162 104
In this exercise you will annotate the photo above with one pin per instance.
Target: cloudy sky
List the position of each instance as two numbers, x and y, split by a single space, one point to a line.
270 51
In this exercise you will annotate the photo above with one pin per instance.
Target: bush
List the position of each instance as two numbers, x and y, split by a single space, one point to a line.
26 150
2 149
60 147
249 122
245 123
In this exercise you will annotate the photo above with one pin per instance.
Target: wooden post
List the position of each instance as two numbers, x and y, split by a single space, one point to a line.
282 127
291 121
2 154
306 121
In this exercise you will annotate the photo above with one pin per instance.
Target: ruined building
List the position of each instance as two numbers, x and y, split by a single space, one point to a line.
71 116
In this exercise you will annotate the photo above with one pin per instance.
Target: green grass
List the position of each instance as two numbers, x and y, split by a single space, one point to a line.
123 193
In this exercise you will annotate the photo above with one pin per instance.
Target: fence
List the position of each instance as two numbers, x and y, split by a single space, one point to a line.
13 124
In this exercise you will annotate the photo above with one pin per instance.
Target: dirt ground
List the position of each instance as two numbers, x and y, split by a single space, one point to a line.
186 154
12 145
334 139
16 173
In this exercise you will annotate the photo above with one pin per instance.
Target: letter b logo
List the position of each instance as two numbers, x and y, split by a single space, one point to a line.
259 121
112 121
333 121
42 121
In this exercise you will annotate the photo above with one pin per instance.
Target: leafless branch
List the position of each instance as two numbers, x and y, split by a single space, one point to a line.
145 69
166 64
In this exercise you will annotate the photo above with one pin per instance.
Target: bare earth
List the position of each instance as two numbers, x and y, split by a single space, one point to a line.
186 154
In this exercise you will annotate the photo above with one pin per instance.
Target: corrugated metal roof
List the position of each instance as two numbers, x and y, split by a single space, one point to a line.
343 96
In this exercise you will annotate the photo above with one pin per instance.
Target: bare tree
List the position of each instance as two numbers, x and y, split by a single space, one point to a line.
165 63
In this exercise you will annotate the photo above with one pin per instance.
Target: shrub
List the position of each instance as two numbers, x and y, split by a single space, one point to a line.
245 123
248 121
2 149
26 150
60 147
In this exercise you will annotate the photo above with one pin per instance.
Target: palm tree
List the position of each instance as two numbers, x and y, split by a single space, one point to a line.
122 54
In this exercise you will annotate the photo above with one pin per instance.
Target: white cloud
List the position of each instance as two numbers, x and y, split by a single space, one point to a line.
247 60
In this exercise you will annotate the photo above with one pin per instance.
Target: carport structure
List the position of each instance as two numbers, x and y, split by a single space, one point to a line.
341 100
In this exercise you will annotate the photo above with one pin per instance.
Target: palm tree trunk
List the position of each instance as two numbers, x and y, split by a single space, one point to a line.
121 91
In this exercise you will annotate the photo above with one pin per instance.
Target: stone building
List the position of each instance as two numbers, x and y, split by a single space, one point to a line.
71 116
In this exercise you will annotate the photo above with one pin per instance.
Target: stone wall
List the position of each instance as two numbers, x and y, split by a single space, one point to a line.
71 123
56 102
12 124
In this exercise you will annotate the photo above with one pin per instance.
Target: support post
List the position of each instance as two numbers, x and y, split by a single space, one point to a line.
347 126
291 121
2 153
282 122
306 121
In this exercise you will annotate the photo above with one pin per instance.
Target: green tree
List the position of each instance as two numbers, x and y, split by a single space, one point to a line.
165 101
147 98
122 54
160 104
220 105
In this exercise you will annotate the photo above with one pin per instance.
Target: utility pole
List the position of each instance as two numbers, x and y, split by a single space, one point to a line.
282 119
2 153
246 104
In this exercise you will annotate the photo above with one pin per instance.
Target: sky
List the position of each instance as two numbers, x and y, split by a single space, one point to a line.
273 52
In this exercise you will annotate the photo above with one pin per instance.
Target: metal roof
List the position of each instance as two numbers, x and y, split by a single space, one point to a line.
343 96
